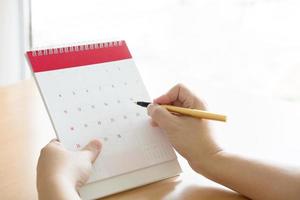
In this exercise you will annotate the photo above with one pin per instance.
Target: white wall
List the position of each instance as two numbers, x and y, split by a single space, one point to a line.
11 53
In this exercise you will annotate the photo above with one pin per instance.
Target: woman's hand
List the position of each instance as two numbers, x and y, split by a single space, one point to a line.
190 137
193 140
60 172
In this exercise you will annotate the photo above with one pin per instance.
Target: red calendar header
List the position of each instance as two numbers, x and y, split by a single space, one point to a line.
76 56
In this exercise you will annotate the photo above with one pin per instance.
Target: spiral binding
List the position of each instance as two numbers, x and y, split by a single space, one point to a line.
76 48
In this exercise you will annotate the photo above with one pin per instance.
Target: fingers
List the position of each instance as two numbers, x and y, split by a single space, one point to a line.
178 92
171 96
93 149
153 123
180 95
54 141
161 116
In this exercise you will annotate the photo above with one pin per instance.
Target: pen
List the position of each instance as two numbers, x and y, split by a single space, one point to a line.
189 112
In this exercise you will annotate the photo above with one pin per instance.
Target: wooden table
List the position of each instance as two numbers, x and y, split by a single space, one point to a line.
25 128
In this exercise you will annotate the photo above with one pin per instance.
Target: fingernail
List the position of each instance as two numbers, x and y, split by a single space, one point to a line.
149 108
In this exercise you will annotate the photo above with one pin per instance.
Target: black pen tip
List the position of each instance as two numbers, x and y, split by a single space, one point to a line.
143 104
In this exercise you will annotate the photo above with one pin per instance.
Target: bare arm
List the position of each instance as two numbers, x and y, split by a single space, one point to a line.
254 179
192 138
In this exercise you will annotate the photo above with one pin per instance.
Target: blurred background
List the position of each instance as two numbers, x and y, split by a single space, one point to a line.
241 56
248 46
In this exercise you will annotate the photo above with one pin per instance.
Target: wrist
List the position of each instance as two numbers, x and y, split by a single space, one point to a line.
203 164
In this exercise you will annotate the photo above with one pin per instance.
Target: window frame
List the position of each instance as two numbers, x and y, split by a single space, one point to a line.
25 35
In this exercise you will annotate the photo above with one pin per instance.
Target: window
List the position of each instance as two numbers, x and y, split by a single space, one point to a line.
13 25
245 45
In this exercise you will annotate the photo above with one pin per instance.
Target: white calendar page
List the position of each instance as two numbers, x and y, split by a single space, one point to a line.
97 101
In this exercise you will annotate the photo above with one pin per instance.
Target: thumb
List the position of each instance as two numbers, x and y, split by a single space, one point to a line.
92 149
161 116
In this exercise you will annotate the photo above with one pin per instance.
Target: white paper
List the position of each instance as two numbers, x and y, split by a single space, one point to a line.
97 101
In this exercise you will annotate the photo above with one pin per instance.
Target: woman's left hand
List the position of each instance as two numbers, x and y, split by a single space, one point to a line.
60 172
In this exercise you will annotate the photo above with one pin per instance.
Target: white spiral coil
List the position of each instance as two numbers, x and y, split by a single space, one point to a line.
76 48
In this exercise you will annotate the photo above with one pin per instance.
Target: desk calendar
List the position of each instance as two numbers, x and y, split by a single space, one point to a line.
89 92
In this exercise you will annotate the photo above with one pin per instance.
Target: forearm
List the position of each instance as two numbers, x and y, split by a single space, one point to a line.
251 178
56 189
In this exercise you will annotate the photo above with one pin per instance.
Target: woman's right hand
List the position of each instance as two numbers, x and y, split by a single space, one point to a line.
189 136
193 140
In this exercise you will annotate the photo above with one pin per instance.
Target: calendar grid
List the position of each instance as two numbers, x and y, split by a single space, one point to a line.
96 100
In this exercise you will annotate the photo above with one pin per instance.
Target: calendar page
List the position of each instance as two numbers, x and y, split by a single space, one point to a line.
90 92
